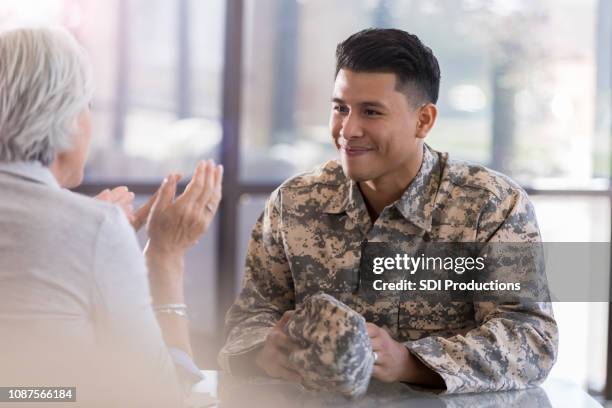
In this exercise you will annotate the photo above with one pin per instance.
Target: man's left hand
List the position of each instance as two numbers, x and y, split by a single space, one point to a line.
393 361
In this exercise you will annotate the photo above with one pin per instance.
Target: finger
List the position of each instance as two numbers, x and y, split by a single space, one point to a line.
103 195
281 341
381 359
282 368
219 177
119 190
139 217
197 179
209 184
166 194
376 344
379 373
125 198
287 374
284 319
384 334
195 185
177 177
373 330
282 359
117 193
215 198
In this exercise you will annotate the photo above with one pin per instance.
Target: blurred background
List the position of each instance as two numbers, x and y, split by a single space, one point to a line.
525 90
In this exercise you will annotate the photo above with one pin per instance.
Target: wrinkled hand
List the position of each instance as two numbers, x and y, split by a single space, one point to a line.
121 196
393 363
176 225
273 358
124 198
140 216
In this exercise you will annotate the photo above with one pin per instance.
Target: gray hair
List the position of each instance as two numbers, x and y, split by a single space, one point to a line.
45 82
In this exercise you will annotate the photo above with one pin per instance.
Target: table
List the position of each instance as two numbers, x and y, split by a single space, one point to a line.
265 392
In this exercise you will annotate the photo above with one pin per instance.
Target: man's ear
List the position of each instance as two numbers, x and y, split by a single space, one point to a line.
426 118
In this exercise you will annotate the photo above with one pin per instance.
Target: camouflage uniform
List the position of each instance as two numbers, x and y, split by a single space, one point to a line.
335 351
309 239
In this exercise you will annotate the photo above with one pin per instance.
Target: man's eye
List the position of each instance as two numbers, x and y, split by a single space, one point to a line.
370 112
341 109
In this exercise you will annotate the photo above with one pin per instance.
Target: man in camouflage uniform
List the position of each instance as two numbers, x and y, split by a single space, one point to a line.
389 186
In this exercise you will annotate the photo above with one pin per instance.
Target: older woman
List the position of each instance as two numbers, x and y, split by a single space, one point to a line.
75 289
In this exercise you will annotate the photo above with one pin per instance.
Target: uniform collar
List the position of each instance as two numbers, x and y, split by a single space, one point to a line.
415 205
339 202
417 202
30 170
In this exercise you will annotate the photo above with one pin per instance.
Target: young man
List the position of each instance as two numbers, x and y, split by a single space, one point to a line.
389 186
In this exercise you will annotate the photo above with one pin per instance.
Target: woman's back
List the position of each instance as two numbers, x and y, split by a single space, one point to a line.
74 297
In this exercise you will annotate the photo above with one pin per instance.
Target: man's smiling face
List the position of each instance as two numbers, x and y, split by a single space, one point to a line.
374 126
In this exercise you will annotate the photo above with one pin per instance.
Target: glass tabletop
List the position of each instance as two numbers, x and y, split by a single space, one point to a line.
222 390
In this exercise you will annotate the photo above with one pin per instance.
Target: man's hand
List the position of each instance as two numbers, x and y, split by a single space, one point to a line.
395 363
273 358
392 364
176 225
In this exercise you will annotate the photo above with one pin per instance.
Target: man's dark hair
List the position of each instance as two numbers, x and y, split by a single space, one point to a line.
393 51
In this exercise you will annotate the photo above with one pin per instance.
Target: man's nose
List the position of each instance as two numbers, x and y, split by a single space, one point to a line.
351 127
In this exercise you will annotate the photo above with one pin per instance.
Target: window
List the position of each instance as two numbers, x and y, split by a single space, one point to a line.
525 90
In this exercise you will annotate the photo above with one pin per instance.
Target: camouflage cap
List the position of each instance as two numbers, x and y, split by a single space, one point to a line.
336 354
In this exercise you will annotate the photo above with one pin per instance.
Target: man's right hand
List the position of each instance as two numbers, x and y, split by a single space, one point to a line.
273 358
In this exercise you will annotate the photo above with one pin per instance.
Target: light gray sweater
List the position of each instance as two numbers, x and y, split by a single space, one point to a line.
74 296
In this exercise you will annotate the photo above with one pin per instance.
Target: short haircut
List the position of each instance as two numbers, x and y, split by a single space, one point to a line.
45 82
393 51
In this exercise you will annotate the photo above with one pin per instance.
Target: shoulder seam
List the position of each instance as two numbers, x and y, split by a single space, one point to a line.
298 181
476 186
461 182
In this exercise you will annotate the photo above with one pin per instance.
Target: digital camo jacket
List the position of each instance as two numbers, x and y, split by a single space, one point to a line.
309 239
